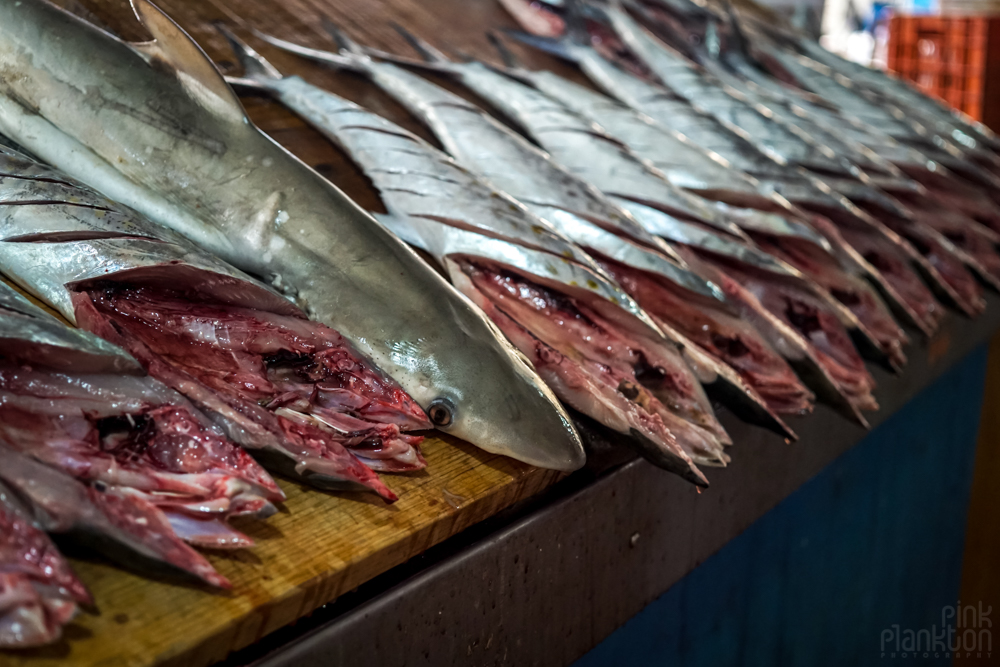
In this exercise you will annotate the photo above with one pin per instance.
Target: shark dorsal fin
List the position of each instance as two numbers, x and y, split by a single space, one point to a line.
195 70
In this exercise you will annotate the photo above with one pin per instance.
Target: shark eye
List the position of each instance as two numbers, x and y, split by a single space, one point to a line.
441 412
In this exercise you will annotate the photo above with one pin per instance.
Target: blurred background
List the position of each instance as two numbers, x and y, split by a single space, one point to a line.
949 48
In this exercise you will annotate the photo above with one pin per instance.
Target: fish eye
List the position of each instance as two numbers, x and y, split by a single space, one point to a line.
441 412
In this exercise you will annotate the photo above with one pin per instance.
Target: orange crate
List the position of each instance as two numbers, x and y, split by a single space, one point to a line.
955 58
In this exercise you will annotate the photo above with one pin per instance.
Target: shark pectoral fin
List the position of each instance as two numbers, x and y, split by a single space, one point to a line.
194 68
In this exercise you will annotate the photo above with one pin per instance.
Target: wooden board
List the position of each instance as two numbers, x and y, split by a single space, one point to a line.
320 545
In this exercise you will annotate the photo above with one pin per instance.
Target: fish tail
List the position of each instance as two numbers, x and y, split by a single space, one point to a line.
255 67
556 47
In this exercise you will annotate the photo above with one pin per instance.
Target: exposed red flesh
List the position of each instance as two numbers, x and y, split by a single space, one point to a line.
534 18
121 517
849 290
259 369
813 319
978 241
593 389
28 617
117 430
651 376
967 199
726 336
950 267
895 266
38 590
26 550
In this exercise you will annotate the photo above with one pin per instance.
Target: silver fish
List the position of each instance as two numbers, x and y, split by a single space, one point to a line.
539 113
156 127
569 204
802 189
448 211
902 94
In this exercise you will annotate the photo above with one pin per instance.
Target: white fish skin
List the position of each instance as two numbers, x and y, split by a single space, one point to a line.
156 127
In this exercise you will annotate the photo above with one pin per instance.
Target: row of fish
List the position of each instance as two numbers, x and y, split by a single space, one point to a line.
736 217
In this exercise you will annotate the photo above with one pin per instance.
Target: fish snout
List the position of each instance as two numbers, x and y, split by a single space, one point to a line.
513 413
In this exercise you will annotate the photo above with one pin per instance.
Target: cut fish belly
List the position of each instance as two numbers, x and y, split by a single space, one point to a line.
39 593
807 315
647 373
896 266
852 291
119 524
968 294
593 389
244 365
116 430
722 334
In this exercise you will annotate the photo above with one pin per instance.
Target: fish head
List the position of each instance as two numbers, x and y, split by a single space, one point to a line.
487 393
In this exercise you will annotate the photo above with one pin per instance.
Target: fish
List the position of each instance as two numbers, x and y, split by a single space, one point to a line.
727 52
405 87
898 282
39 592
396 160
120 525
447 210
773 133
155 127
644 137
757 280
274 382
881 84
77 403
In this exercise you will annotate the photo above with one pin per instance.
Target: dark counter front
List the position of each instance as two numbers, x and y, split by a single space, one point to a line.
866 536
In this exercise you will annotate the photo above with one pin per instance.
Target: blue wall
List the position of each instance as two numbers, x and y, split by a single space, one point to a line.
875 539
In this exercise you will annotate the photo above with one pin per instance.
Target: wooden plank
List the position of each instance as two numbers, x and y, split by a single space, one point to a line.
320 545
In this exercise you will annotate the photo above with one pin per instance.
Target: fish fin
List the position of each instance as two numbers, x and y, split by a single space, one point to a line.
196 71
345 60
426 50
255 67
556 47
506 55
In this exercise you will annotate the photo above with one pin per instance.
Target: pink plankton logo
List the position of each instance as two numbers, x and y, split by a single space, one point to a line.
966 631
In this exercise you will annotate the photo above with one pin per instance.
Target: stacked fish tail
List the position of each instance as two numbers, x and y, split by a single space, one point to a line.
537 285
293 391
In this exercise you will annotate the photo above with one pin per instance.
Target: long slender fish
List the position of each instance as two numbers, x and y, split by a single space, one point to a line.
448 211
389 154
889 261
291 390
156 127
577 144
645 138
433 104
